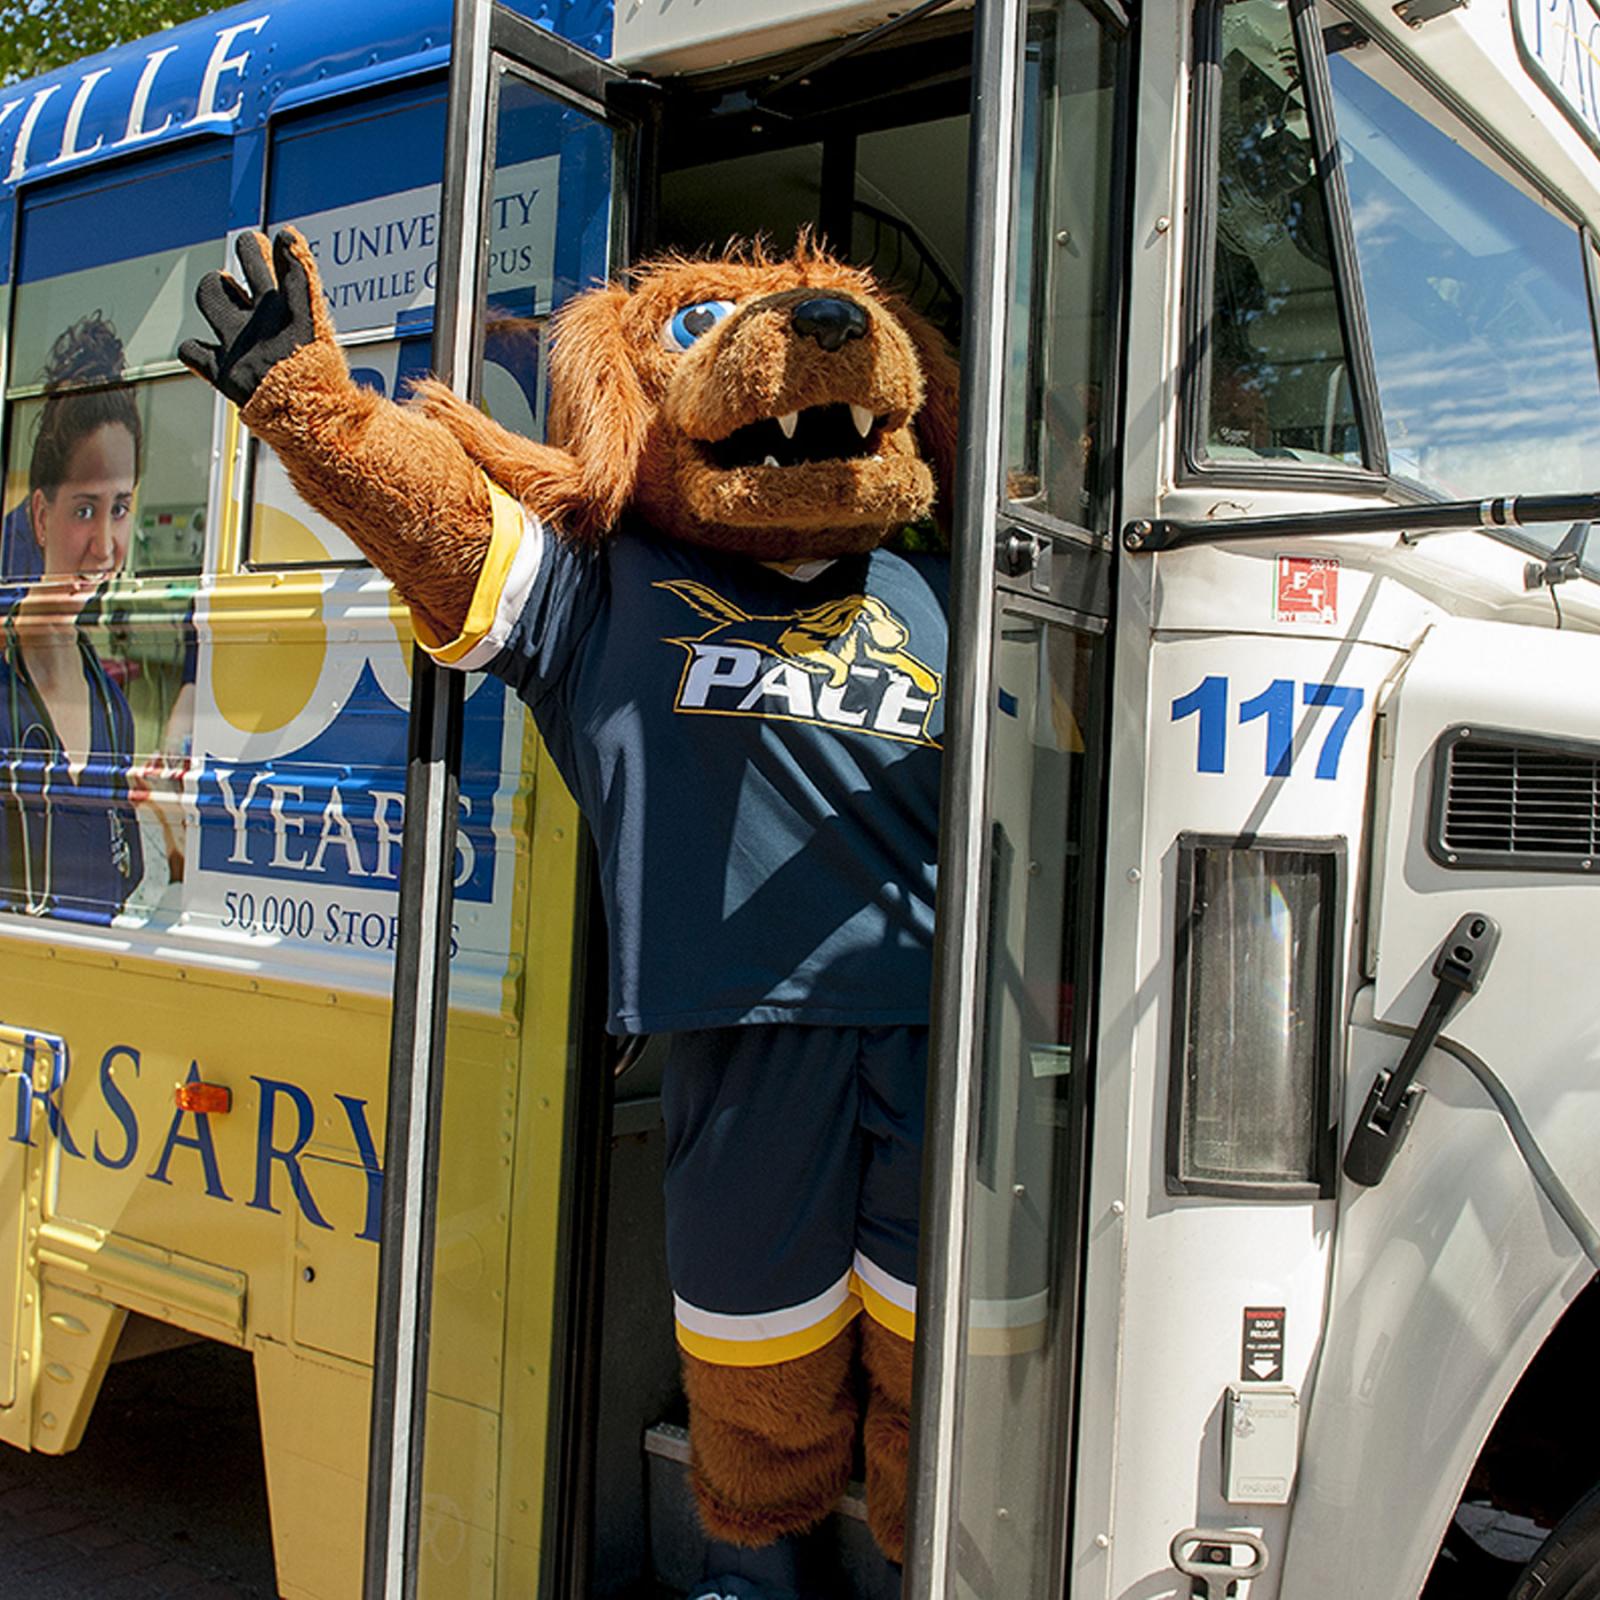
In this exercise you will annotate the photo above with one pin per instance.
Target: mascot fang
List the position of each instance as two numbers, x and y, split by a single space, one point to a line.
692 588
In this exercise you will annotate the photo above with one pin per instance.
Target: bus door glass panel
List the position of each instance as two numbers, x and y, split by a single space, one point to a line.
1026 1168
361 182
1062 301
495 1269
1477 294
108 467
1025 1180
1275 367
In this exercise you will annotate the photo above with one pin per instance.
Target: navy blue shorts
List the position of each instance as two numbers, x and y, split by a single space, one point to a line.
794 1172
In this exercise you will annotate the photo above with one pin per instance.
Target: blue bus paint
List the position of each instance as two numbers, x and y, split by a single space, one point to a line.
224 74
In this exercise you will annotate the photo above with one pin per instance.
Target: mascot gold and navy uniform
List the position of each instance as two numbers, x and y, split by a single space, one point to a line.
693 587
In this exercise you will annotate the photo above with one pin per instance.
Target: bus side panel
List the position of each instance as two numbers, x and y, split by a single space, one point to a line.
1452 1272
1253 739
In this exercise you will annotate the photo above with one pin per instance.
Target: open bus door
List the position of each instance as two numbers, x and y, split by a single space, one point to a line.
1020 853
468 1334
492 1464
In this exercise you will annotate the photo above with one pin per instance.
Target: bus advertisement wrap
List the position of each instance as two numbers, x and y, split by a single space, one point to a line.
225 759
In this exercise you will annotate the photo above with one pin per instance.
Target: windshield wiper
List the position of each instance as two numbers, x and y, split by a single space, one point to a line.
1147 536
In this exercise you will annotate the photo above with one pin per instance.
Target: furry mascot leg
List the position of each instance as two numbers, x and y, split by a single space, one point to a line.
887 1433
771 1446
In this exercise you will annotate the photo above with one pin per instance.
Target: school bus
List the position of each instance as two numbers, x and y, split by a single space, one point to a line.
1258 1237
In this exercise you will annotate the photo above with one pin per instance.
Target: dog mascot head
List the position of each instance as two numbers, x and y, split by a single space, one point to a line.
780 408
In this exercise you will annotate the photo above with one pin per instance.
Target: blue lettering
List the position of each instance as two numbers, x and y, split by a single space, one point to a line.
267 1153
356 1112
60 1063
200 1140
120 1107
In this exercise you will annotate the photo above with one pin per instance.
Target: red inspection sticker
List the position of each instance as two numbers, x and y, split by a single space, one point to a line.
1308 589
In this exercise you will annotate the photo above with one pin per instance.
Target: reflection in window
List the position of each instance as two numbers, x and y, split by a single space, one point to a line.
1061 290
1279 374
1481 324
1028 1147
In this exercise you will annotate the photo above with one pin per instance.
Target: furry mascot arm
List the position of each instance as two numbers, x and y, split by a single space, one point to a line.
407 483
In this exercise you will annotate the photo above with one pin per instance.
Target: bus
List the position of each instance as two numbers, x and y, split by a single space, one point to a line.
1259 1239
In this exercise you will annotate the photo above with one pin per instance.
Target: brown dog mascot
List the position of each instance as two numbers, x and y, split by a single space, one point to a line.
692 588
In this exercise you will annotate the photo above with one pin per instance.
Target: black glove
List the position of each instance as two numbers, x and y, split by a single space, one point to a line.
256 328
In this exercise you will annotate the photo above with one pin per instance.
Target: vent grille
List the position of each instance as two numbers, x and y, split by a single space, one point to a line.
1518 803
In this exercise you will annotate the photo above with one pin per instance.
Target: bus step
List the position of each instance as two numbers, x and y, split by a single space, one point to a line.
677 1544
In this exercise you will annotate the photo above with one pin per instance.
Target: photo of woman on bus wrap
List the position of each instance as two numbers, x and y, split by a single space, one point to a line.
69 833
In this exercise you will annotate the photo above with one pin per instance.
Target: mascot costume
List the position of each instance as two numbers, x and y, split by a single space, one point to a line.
692 589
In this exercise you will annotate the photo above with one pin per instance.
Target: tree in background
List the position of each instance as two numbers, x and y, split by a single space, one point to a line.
38 35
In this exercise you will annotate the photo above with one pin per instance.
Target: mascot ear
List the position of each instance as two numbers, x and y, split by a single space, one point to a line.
938 423
599 411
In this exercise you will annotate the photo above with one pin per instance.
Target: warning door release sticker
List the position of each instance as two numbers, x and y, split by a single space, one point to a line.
1262 1359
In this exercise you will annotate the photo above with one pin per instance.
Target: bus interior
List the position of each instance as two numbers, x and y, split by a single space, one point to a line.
879 174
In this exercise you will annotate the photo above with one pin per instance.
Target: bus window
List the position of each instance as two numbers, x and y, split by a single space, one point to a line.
1279 371
361 182
1062 303
1476 288
106 277
108 467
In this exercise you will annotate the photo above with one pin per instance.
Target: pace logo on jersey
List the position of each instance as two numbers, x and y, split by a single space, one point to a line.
842 664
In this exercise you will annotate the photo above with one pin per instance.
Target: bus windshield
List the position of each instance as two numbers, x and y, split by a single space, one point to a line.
1477 295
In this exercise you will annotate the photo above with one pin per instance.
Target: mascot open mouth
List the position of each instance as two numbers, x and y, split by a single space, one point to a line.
804 437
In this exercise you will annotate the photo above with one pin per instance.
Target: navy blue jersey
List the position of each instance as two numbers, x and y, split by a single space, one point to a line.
758 756
69 845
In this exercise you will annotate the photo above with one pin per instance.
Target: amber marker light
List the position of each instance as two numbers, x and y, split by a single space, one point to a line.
207 1098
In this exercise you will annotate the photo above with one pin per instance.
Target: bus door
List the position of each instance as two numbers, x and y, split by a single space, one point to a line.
1020 855
463 1437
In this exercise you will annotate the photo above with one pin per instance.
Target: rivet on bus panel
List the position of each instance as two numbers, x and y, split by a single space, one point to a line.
208 1099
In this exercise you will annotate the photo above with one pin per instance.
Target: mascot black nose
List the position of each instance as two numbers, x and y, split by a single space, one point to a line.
829 320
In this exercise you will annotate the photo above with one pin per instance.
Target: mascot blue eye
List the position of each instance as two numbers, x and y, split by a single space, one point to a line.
689 322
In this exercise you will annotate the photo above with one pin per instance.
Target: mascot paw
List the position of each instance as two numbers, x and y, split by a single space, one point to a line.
278 311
